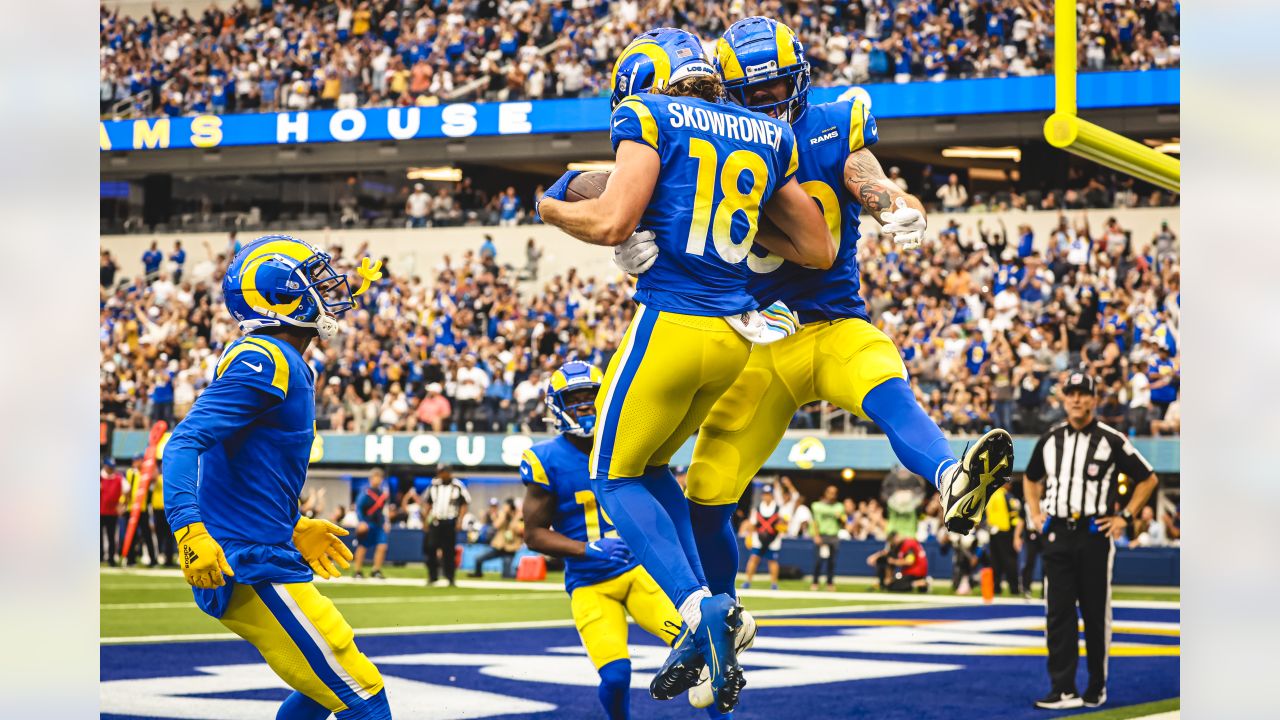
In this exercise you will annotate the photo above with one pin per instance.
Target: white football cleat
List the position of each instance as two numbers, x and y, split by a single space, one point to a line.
700 695
967 485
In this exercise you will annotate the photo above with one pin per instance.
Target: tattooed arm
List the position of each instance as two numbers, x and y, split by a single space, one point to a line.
900 214
866 180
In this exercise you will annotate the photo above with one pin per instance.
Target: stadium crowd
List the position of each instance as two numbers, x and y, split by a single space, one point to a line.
986 323
290 55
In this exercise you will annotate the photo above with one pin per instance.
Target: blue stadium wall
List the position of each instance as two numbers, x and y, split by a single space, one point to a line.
460 120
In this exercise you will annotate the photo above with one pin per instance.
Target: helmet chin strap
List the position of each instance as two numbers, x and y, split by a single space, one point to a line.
326 325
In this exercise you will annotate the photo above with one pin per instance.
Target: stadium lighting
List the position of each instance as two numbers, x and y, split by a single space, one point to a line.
438 174
591 166
983 153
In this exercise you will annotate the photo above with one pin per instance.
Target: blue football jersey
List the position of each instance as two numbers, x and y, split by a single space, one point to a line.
720 164
826 135
559 466
238 461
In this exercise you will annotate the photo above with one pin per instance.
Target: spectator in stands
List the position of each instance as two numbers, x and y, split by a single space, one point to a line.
471 381
151 260
444 212
509 207
178 259
433 410
108 268
953 195
110 500
417 206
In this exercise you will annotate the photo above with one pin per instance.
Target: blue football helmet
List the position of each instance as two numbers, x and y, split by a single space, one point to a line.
757 50
656 60
571 397
280 280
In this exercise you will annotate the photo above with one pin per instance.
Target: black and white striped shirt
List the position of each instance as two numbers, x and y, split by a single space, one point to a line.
1079 468
447 499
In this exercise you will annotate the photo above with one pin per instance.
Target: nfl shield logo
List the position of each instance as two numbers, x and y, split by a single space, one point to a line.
1094 469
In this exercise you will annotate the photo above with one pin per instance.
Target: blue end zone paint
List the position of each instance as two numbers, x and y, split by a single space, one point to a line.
985 686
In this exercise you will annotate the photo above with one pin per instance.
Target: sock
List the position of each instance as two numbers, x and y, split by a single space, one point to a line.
300 707
375 708
644 523
717 545
691 609
615 689
916 439
664 486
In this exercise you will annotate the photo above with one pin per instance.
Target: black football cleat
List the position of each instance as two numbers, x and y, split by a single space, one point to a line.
1059 701
967 485
680 670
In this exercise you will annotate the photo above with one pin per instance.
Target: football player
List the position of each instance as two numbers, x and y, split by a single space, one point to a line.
695 171
563 519
234 469
838 355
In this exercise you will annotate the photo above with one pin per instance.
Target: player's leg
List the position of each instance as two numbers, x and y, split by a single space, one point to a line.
602 625
859 369
740 432
300 707
667 373
308 643
379 557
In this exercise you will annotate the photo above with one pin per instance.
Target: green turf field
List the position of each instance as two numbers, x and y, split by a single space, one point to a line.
136 604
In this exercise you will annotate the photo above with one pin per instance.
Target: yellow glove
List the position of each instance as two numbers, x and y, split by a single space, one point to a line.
318 542
203 563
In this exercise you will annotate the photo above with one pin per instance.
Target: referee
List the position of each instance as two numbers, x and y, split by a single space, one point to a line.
446 504
1071 488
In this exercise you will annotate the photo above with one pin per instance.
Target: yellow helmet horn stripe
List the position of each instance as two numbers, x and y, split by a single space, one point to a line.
650 49
249 288
786 46
558 381
729 64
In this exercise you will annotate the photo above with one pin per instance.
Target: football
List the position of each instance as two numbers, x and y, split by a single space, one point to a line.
587 185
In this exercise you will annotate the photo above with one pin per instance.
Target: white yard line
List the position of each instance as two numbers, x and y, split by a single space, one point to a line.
384 600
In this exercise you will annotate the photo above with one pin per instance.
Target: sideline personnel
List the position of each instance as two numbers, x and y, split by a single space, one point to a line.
1072 492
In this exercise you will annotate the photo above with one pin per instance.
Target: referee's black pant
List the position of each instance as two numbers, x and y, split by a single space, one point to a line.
1077 572
440 537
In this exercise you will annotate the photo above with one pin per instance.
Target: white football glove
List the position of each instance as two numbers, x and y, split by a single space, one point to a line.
637 253
905 223
765 326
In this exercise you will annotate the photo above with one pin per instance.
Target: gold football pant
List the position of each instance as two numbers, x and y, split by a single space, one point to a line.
838 361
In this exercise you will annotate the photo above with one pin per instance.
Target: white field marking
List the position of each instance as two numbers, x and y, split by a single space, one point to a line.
913 598
377 600
465 627
753 592
1171 715
344 580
